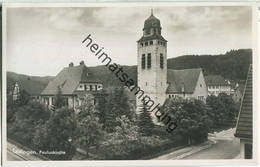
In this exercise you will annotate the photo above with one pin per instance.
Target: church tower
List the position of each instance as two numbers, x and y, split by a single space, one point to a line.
152 61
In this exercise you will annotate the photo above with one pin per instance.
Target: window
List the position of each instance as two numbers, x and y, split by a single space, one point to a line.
200 85
46 100
146 43
80 86
149 61
66 101
90 87
161 61
151 42
146 83
52 100
95 87
201 97
248 151
158 42
86 87
142 44
143 61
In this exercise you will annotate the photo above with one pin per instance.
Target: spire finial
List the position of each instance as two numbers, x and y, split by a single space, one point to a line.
152 12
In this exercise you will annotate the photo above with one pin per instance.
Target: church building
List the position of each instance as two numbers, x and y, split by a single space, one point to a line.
153 76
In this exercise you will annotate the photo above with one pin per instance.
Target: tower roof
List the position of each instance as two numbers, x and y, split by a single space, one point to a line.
152 21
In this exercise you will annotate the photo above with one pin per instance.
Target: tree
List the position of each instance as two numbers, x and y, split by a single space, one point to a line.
217 109
231 110
125 139
23 98
122 104
145 122
90 131
87 107
117 105
33 111
101 107
58 99
26 118
191 117
57 134
223 109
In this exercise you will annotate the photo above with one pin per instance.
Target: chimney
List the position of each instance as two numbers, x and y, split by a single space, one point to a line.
81 63
71 64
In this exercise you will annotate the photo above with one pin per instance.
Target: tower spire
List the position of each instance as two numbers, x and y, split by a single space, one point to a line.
152 12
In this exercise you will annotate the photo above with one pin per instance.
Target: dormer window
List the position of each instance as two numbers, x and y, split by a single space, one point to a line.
86 87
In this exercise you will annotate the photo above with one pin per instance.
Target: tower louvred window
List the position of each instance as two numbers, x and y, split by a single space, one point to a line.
161 61
149 61
143 61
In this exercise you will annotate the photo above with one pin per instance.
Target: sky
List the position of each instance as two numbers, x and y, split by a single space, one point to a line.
42 41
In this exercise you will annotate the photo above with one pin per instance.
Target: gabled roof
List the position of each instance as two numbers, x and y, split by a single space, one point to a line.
179 78
245 120
68 80
215 80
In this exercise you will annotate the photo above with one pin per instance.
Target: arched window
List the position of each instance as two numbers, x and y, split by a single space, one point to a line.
149 61
143 61
161 61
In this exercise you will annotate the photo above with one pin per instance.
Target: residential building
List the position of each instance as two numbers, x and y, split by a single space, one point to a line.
75 82
244 127
216 84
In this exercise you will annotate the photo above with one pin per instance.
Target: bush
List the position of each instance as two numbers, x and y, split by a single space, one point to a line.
25 120
57 134
223 110
191 117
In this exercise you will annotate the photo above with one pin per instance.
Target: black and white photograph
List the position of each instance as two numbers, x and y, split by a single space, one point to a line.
97 82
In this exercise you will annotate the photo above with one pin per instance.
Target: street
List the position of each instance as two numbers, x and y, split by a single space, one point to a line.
15 153
223 149
221 145
13 157
226 147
